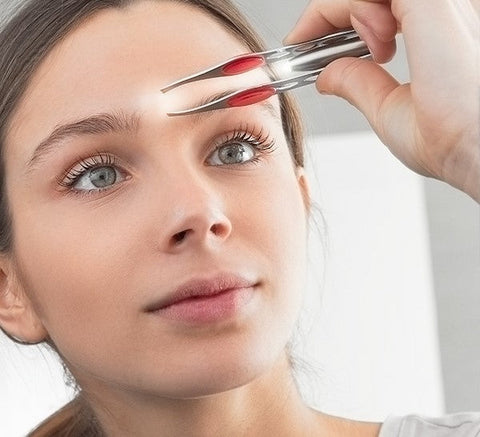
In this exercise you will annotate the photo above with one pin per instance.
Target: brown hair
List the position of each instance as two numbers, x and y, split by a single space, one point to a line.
24 42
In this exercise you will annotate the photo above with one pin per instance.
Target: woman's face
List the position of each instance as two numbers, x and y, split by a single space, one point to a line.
171 199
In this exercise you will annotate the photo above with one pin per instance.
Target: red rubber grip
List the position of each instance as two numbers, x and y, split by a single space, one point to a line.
238 66
249 97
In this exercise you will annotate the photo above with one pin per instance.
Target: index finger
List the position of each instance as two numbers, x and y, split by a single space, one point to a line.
320 18
372 19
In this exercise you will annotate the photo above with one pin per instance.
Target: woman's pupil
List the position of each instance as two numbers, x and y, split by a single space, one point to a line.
232 154
103 176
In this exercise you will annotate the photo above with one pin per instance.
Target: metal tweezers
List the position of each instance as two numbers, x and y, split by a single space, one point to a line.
308 58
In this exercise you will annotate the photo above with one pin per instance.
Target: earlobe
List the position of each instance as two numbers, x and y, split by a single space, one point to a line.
304 187
18 317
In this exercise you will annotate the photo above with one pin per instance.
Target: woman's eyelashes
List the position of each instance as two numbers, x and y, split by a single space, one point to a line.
241 147
95 173
103 171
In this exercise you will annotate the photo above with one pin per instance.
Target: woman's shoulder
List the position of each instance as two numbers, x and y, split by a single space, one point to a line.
452 425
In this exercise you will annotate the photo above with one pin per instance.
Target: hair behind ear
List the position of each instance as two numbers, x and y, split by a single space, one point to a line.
72 420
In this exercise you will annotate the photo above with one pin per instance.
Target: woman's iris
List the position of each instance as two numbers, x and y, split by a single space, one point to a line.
234 153
103 177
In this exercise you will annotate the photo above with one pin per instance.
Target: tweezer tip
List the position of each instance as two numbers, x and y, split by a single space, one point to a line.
176 113
166 89
172 85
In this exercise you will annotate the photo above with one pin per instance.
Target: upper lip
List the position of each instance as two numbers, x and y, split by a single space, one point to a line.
202 287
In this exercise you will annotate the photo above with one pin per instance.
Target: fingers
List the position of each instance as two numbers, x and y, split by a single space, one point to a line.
377 16
327 16
441 45
383 101
376 25
362 83
382 51
433 30
320 18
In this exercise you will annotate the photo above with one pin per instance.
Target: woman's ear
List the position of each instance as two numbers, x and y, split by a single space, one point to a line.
18 317
304 187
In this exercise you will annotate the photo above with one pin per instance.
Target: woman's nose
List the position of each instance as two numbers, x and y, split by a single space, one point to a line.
200 228
197 216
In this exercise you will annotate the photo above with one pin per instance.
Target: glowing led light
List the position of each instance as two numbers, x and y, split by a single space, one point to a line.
171 101
157 102
282 69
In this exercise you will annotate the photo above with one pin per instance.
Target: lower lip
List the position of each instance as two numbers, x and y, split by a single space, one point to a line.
209 309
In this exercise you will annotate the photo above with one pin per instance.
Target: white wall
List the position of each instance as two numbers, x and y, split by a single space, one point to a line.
370 330
454 219
373 332
31 387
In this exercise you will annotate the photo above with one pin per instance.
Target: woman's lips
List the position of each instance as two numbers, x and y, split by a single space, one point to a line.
208 309
206 299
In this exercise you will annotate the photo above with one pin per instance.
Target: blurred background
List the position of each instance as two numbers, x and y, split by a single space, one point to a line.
390 324
451 218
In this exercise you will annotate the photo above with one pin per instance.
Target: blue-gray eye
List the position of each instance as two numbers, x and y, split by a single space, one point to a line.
93 174
242 147
233 153
102 177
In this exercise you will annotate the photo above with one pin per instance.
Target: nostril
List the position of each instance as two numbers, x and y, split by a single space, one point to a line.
178 238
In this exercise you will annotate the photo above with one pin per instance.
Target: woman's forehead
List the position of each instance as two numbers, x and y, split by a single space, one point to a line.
117 57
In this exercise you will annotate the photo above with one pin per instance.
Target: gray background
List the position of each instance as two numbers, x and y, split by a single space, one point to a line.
454 221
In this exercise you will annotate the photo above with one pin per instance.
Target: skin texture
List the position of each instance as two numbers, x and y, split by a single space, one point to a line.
430 124
84 268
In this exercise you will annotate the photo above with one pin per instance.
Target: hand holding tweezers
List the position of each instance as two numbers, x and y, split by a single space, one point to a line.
308 58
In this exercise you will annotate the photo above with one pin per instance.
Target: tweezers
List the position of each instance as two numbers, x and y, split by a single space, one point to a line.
308 58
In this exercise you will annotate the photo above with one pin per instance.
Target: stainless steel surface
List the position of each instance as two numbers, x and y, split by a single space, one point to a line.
308 58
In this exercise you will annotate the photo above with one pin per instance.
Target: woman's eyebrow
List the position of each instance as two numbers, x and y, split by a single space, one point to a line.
103 123
117 122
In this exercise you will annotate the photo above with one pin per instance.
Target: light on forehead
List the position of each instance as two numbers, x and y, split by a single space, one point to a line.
199 93
176 101
160 103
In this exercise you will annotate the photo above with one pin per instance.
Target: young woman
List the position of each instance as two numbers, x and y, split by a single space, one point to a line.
111 212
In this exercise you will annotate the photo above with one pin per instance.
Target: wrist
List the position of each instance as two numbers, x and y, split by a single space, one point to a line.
463 171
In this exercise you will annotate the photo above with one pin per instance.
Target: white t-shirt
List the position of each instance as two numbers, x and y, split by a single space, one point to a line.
452 425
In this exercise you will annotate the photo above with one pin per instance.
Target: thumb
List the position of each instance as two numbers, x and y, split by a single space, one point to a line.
385 103
361 82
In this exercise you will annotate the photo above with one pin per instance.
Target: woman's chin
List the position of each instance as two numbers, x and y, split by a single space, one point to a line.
220 377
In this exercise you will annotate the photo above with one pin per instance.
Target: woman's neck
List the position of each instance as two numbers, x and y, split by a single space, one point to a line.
268 405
